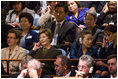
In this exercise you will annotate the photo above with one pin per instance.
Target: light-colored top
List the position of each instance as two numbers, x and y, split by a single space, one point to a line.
18 53
13 16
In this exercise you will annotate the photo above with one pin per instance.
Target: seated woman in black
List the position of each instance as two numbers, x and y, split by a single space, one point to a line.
43 49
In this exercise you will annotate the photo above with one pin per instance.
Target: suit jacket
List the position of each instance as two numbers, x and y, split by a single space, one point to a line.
66 33
94 75
18 53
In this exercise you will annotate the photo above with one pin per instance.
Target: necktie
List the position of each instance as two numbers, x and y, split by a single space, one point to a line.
58 28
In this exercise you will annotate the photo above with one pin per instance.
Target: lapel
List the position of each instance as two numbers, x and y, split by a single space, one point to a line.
64 29
53 26
7 54
14 53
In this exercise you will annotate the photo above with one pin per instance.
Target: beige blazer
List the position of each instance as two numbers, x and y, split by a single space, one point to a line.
18 53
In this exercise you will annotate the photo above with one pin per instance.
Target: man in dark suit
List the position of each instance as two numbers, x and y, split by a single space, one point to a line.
85 68
112 66
63 32
63 67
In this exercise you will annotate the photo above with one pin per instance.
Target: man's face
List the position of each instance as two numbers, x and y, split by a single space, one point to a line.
60 14
58 67
112 65
83 67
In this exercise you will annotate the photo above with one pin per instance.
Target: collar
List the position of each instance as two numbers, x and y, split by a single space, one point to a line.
67 75
60 22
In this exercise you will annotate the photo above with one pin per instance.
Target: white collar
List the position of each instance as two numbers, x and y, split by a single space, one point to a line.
67 75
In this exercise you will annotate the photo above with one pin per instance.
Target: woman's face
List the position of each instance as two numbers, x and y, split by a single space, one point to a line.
109 36
72 6
24 23
17 6
11 39
87 40
89 20
43 39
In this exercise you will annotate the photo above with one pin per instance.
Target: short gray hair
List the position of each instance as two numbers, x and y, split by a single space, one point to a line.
92 12
35 63
89 59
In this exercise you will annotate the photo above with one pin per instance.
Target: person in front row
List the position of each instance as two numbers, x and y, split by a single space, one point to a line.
85 68
63 66
34 70
112 66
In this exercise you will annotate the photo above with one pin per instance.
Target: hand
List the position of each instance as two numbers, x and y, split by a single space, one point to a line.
92 8
104 42
105 24
32 73
23 73
105 8
81 27
36 46
79 74
14 24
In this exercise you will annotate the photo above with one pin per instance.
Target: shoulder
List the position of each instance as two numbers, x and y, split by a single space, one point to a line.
11 11
33 32
4 49
20 49
28 10
94 75
55 50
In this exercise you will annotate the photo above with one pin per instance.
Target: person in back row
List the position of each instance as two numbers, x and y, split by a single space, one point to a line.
29 36
63 31
13 15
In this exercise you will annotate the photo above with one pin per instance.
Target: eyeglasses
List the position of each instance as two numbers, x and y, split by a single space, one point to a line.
11 37
83 67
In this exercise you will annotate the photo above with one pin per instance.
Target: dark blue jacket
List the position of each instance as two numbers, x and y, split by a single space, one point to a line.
30 38
76 51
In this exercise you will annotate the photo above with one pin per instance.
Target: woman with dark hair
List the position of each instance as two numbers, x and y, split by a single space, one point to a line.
83 46
13 15
14 51
43 50
29 36
109 47
76 14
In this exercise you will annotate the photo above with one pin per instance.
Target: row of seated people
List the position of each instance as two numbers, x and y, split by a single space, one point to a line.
33 68
76 13
61 37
